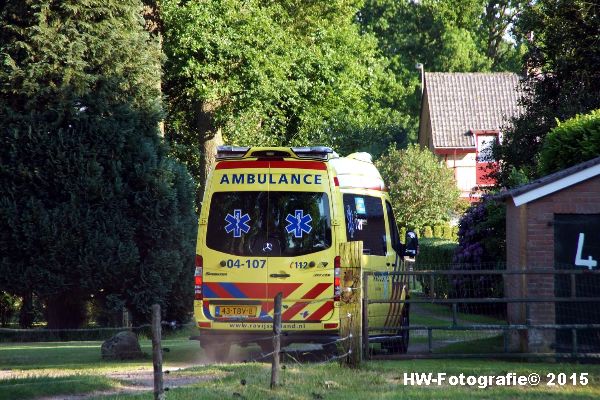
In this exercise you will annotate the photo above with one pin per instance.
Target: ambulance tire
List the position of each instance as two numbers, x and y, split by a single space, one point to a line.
400 345
266 346
330 350
216 352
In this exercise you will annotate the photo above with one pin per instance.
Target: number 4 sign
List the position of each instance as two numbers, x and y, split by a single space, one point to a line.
590 262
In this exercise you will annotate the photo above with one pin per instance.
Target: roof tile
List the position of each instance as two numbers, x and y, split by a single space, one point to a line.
462 102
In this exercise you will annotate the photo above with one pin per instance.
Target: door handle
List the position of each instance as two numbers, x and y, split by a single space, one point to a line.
280 275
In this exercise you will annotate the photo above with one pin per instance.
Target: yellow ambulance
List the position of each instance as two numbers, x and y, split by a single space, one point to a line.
272 220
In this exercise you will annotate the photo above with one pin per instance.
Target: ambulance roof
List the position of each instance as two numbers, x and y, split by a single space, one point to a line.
355 171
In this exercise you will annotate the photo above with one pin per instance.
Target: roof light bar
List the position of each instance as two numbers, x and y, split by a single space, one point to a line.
228 152
270 154
318 152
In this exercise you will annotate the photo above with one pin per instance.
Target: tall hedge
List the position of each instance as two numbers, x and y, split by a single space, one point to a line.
91 206
571 142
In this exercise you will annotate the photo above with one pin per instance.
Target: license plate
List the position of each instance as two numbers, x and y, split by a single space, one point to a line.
235 311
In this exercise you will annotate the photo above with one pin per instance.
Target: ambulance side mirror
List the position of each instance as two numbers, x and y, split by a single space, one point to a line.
411 241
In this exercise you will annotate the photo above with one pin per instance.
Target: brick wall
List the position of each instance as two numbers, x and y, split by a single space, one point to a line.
530 244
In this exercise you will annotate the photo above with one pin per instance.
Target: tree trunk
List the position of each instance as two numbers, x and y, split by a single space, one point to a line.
65 311
205 125
26 314
210 152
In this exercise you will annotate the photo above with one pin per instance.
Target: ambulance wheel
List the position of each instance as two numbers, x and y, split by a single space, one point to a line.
330 350
215 352
266 346
400 345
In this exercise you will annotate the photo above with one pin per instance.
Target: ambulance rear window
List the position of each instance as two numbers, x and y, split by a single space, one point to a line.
275 224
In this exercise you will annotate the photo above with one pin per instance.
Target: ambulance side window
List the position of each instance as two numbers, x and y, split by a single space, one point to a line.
395 236
365 221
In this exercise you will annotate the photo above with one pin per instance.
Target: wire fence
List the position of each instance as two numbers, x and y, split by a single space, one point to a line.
464 310
337 349
92 333
453 311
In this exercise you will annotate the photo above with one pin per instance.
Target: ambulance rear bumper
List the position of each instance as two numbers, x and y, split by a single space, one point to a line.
243 338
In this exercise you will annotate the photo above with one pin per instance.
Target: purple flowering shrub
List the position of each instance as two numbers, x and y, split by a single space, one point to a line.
481 245
482 233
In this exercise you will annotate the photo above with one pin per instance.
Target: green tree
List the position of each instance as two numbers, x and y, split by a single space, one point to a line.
571 142
423 191
274 73
91 206
562 79
458 36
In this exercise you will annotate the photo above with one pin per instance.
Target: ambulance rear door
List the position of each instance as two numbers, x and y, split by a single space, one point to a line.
235 265
301 262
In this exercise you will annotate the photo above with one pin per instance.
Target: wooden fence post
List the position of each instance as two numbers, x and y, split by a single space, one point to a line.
276 340
351 303
159 393
365 318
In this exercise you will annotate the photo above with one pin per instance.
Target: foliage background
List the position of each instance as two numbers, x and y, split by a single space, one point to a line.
561 80
93 201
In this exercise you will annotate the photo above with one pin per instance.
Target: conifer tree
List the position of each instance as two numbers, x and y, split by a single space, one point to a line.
91 206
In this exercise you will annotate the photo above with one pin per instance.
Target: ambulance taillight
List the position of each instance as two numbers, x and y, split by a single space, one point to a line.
337 288
198 279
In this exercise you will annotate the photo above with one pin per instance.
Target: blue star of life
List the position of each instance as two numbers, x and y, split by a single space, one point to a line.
298 223
237 223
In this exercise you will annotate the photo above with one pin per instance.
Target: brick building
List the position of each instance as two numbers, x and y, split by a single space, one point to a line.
554 223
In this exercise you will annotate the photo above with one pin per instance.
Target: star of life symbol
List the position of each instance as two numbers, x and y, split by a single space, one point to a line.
237 223
298 223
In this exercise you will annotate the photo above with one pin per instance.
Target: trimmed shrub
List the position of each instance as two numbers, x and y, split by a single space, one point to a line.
435 254
433 251
427 232
571 142
403 231
438 231
447 232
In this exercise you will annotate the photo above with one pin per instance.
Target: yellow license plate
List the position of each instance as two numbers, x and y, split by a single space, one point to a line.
235 311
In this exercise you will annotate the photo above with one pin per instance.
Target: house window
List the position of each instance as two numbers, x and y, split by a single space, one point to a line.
484 148
485 162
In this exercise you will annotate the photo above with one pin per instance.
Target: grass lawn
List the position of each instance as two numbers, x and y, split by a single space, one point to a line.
462 317
377 380
30 388
46 368
436 315
42 369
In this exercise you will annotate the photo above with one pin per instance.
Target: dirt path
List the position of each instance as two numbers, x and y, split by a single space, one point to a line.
137 382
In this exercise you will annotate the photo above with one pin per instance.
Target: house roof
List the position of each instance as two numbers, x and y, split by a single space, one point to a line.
463 102
553 182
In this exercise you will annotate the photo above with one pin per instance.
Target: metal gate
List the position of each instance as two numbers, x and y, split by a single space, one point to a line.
463 311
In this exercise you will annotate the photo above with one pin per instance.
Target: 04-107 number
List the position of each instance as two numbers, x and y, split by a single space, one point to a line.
247 263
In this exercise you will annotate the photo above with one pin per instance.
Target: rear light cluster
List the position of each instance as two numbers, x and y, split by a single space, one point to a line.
337 288
198 279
